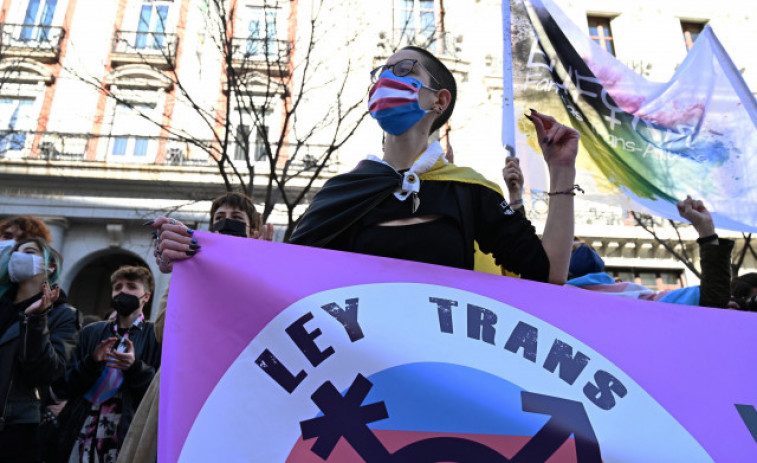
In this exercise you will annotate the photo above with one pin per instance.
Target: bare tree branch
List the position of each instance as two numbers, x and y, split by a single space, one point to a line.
640 221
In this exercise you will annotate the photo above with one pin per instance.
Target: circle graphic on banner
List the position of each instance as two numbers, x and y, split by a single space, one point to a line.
473 380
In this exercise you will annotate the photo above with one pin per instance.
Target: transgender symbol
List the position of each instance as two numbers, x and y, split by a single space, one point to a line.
345 416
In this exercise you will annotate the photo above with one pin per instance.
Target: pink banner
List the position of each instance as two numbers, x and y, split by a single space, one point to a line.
276 352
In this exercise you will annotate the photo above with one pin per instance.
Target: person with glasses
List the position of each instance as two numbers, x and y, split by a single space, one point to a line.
412 204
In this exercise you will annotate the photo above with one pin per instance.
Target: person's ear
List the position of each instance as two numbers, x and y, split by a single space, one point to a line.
443 99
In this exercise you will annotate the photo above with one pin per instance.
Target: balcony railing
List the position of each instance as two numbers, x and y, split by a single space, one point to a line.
31 40
132 149
260 54
440 43
59 146
153 48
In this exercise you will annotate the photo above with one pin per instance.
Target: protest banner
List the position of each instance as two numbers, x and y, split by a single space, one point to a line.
278 352
644 145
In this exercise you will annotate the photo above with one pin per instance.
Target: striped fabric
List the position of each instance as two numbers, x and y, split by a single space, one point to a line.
389 93
604 283
393 102
107 384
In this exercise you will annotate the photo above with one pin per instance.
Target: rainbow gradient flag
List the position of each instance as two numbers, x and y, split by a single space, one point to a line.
644 144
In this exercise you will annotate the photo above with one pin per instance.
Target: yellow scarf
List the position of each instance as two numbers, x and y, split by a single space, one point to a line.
442 171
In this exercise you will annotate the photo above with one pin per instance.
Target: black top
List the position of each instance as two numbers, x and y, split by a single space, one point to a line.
418 242
83 371
496 227
34 350
345 214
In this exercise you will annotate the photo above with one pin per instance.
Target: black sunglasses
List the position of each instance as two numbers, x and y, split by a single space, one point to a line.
401 68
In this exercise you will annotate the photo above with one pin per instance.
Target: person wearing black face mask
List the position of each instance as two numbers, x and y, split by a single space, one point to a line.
230 214
231 227
110 372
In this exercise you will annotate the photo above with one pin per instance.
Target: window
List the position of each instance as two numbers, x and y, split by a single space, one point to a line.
242 142
260 152
134 148
416 22
261 31
691 31
600 33
15 116
245 141
151 29
39 15
654 279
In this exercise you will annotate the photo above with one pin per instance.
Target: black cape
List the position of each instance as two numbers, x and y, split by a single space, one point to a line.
343 201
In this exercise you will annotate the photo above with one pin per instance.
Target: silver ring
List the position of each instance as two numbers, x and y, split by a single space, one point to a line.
173 222
164 261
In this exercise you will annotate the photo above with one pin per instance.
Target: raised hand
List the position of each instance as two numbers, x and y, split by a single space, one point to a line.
103 349
48 297
694 211
173 241
558 142
265 233
122 360
513 177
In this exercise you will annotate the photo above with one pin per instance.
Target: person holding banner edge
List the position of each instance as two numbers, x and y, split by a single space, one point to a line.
587 267
364 210
230 214
513 177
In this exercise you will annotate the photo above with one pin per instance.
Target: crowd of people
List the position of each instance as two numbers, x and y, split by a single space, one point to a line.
76 392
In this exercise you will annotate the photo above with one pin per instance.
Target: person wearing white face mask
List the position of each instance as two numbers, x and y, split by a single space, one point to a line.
37 336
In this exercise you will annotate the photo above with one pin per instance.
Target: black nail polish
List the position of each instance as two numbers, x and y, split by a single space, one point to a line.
545 140
148 223
532 110
194 246
529 117
190 231
194 240
191 253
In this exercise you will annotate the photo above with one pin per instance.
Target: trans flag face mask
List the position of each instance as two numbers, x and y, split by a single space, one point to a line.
394 102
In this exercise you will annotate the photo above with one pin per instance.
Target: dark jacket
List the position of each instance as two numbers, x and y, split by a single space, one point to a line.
83 371
715 284
34 351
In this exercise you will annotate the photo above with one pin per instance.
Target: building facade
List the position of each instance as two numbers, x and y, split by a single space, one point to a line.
113 111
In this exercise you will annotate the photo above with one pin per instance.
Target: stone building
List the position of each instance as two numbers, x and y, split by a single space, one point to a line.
105 107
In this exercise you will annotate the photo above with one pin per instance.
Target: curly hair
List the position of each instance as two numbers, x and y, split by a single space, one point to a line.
30 226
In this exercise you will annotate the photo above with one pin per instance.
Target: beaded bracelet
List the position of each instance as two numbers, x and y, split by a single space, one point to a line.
569 191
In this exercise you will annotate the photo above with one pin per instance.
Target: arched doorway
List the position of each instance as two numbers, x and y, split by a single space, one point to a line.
90 290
